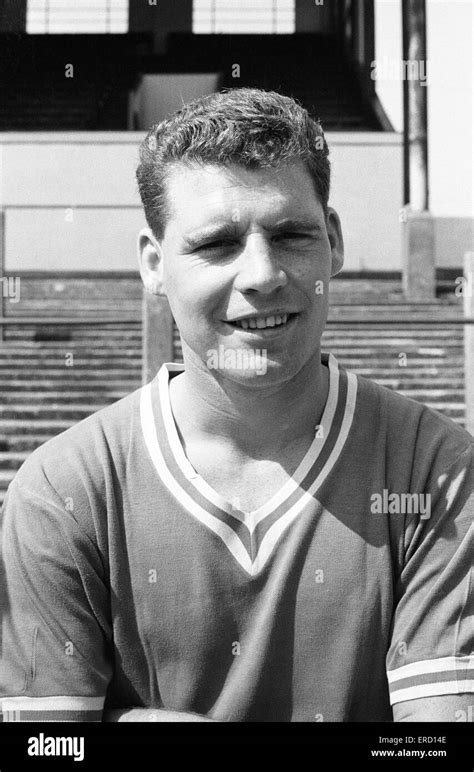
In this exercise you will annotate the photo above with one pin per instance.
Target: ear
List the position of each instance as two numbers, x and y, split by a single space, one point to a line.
150 260
334 229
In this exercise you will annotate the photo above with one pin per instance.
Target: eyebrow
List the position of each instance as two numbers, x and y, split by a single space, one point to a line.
298 224
211 233
226 230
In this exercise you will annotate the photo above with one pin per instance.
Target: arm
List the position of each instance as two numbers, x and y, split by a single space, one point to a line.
429 665
448 707
153 714
55 664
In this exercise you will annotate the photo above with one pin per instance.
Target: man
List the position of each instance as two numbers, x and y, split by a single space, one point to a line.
258 535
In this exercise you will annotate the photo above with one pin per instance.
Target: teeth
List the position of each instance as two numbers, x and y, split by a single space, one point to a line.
263 321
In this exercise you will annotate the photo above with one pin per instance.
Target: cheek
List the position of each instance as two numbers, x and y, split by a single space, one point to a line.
193 293
312 275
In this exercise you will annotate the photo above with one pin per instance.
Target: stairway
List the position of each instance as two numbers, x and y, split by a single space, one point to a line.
39 93
44 390
311 68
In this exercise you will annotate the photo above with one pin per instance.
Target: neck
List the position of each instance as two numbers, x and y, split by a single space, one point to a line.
245 417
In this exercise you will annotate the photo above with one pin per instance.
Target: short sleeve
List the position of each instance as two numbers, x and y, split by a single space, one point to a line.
432 643
55 662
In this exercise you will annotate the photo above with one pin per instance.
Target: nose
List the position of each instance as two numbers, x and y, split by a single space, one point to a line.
258 267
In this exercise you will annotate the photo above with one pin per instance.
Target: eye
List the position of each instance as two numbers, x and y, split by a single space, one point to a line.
214 245
291 236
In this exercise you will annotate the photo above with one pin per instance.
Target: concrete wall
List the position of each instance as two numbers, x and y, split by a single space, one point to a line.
160 95
52 185
367 193
71 201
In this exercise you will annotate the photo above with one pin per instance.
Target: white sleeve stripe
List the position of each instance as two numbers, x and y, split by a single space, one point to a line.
431 690
430 666
52 703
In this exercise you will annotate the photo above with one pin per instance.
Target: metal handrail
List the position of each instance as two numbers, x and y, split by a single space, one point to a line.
100 321
68 321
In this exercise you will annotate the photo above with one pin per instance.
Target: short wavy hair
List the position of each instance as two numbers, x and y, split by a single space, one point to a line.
245 126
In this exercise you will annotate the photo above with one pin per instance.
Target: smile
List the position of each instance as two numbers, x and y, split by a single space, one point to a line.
263 322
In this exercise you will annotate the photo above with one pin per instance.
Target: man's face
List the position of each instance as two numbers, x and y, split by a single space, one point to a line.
246 260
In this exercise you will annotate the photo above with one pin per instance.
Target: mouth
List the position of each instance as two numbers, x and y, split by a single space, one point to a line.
259 323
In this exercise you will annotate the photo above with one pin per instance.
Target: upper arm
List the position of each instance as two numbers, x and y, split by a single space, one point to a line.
430 662
54 662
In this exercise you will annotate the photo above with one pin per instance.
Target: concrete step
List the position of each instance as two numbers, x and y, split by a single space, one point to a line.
6 476
87 331
23 442
79 351
83 354
419 362
449 409
23 426
441 395
100 343
402 378
58 398
79 373
414 382
26 383
395 372
86 363
12 460
72 413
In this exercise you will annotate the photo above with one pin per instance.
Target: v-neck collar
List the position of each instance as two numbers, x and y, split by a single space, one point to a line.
250 518
212 509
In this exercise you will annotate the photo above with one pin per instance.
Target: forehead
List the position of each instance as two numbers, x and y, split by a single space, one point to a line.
197 191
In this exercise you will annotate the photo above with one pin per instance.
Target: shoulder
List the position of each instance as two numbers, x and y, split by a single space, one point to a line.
409 428
81 463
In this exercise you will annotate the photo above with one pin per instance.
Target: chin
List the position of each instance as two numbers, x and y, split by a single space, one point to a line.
261 374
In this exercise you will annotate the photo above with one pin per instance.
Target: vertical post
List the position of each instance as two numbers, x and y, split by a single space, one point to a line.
416 87
354 30
369 43
406 170
213 16
157 334
469 340
419 279
2 263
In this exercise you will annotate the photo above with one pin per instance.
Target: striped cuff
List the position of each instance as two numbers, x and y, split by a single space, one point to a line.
52 708
429 678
